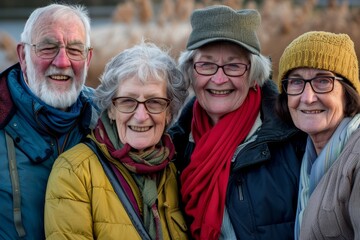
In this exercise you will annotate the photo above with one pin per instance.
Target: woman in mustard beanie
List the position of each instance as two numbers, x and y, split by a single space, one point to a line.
327 109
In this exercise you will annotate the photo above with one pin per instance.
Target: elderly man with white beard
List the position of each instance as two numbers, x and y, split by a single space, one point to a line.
45 109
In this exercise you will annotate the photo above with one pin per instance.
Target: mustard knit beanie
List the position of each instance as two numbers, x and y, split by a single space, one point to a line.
322 50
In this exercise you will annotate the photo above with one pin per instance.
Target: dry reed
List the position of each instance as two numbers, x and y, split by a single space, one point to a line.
167 24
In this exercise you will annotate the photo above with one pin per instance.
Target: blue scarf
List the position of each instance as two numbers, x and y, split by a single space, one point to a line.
314 167
40 116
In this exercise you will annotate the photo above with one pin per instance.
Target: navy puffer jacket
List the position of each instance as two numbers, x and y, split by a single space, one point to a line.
263 185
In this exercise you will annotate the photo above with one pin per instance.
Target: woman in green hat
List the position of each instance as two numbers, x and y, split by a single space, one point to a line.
240 163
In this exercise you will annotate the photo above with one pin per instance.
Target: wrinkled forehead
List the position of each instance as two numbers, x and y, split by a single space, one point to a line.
308 71
229 49
58 18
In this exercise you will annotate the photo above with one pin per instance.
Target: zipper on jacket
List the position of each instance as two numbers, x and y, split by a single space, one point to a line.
239 186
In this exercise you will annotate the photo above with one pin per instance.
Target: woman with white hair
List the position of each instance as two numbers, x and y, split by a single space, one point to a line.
121 183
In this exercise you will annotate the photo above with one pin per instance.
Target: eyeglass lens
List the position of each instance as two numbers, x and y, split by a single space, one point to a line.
75 52
152 105
232 69
323 84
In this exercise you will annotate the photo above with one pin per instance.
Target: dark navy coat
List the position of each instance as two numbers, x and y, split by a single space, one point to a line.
263 185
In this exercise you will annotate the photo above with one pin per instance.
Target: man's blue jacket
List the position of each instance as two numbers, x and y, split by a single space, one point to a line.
39 133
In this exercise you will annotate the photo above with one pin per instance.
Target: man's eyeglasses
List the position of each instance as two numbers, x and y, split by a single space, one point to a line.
231 69
76 52
320 84
152 105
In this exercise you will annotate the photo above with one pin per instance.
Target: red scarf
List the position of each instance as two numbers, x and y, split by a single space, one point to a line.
204 181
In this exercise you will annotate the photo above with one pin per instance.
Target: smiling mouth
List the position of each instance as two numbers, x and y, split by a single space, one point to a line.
59 77
311 111
219 92
139 129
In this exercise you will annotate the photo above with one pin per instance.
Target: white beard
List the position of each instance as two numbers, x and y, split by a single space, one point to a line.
48 94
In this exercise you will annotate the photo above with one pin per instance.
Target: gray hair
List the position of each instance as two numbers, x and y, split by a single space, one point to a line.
55 11
144 61
260 69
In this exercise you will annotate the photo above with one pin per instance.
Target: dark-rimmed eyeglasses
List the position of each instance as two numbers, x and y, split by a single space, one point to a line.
129 105
76 51
231 69
319 84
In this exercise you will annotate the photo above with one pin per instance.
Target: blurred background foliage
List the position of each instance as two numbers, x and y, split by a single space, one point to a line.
37 3
166 23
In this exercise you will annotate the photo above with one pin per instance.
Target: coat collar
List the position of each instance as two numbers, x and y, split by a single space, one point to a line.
7 107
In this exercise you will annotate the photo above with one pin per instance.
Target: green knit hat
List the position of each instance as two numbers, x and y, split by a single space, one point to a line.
222 23
323 50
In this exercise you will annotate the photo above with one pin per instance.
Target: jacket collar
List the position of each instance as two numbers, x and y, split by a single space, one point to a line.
7 107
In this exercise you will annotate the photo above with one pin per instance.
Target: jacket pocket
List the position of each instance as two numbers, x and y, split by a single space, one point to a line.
176 224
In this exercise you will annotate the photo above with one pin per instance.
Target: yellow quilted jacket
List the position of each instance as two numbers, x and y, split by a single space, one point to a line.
82 204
